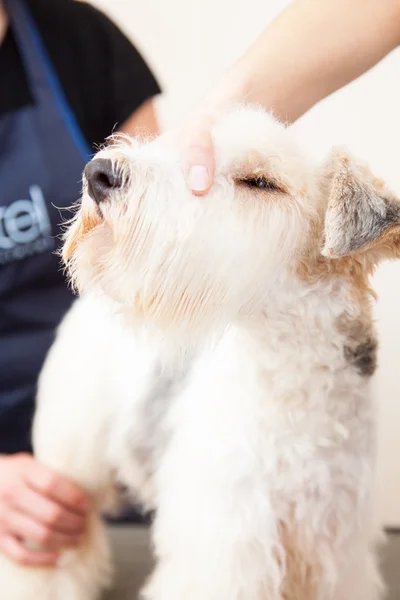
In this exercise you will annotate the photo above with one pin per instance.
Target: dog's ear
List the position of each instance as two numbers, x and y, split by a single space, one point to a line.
362 214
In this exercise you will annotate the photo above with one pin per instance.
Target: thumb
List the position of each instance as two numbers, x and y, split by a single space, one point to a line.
199 157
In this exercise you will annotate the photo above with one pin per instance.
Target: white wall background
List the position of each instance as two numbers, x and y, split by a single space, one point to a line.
189 43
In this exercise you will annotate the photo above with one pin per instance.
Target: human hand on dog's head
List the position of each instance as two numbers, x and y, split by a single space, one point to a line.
40 507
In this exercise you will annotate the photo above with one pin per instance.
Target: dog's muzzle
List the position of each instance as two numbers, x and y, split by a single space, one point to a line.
103 178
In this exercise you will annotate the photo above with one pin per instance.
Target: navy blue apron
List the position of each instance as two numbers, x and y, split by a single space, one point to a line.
42 156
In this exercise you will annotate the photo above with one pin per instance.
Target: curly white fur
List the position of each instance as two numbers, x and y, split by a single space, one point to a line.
219 366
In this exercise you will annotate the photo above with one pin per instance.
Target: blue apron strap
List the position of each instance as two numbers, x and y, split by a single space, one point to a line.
42 78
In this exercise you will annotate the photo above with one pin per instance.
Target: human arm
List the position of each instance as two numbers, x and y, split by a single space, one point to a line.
311 49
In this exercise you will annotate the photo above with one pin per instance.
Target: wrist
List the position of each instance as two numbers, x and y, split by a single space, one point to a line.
233 90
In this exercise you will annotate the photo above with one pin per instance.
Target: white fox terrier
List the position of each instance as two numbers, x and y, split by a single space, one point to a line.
219 364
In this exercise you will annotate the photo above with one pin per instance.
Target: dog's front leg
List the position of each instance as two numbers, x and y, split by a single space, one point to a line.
215 548
215 533
70 435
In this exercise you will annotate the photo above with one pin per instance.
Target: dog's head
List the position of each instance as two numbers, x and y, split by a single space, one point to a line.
175 260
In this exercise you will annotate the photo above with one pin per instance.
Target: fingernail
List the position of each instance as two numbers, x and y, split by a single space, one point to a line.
198 178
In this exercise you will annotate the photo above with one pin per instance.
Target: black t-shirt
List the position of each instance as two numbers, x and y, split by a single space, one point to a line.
103 76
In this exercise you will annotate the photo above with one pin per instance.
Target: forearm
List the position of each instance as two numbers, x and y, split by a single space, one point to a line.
143 121
312 49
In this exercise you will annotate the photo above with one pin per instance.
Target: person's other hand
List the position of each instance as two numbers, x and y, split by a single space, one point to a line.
198 154
38 509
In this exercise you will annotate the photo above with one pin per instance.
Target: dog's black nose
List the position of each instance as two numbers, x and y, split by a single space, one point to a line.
102 178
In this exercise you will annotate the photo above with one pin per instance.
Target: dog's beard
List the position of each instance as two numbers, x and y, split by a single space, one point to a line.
186 268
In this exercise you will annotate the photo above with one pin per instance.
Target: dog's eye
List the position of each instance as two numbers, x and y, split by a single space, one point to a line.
261 183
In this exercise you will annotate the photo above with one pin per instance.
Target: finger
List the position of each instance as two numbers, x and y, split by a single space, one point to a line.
56 487
44 510
22 526
17 552
199 156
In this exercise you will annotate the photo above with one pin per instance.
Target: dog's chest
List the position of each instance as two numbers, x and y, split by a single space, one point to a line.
239 408
233 406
